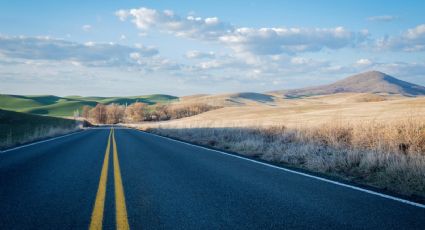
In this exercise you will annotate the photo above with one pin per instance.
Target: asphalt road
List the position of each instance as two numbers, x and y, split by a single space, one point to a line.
129 179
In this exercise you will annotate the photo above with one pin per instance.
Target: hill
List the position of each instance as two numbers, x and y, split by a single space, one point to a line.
17 128
368 82
65 106
230 99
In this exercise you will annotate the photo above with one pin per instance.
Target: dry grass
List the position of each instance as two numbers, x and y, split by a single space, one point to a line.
19 128
308 112
388 155
35 134
377 140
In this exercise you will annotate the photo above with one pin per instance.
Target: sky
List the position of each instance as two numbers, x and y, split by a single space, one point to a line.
138 47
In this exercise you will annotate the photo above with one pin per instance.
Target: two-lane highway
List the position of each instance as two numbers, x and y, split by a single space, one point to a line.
129 179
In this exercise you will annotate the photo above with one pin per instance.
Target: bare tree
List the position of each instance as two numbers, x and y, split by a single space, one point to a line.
136 112
162 112
86 112
98 113
114 113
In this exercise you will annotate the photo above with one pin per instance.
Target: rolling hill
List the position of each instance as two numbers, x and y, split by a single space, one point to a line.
65 106
369 82
371 86
230 99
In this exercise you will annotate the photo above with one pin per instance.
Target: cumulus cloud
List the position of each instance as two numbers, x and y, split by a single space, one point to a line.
195 54
382 18
261 41
89 53
411 40
168 21
290 40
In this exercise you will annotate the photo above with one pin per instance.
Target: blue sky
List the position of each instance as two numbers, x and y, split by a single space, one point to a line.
186 47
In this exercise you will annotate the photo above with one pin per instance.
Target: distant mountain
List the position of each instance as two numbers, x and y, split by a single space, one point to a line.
368 82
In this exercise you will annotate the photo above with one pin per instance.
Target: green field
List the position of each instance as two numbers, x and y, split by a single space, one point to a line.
17 128
65 106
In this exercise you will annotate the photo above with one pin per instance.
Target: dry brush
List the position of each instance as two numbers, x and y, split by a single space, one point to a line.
385 155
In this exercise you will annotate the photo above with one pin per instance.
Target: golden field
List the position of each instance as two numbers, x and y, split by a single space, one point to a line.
375 140
257 110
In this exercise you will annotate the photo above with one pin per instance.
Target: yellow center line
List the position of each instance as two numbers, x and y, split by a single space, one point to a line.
97 215
120 207
121 210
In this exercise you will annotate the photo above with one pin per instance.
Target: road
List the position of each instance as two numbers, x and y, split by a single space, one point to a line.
130 179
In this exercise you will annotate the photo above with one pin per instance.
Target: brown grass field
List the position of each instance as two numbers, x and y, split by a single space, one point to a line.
378 140
310 111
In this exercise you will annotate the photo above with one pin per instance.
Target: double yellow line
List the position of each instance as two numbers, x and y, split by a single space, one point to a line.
99 205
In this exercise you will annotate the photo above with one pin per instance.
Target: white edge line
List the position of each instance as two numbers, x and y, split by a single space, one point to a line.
300 173
42 141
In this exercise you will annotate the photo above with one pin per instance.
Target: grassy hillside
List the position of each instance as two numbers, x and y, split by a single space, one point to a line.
17 128
17 102
62 109
148 99
65 106
230 99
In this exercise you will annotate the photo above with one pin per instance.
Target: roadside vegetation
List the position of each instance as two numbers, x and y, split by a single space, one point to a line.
386 155
19 128
138 112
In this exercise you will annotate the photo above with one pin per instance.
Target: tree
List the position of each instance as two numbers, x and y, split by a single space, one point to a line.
162 112
98 113
114 113
136 112
86 112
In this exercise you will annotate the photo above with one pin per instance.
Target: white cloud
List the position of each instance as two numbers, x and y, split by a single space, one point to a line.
168 21
262 41
195 54
227 72
212 21
417 33
290 40
412 40
86 28
89 53
364 62
122 14
382 18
